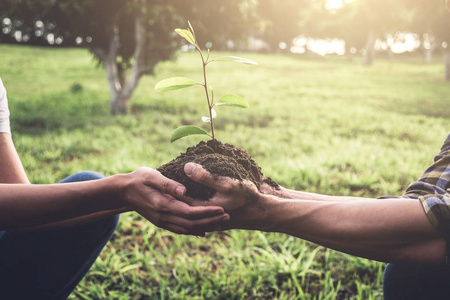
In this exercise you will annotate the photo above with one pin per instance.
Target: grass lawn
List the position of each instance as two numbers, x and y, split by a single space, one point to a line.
326 125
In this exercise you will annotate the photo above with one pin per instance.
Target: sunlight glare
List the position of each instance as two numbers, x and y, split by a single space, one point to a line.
336 4
333 4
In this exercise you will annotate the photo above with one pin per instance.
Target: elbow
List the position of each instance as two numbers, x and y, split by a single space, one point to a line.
431 251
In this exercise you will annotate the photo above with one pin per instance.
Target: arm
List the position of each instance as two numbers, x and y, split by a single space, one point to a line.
285 193
391 230
24 206
11 169
145 191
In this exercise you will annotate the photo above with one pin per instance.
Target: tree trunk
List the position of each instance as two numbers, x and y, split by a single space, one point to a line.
369 49
429 44
119 104
119 88
447 64
427 55
428 52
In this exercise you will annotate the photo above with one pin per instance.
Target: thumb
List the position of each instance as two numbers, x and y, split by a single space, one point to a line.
197 173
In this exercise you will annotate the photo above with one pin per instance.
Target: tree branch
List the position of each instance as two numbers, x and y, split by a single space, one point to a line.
136 71
112 71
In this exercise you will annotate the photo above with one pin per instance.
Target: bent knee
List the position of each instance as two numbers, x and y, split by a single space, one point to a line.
83 176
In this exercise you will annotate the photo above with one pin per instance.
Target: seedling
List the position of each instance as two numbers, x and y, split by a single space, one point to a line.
175 83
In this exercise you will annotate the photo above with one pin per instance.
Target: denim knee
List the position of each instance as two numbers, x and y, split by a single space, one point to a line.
416 282
82 176
103 228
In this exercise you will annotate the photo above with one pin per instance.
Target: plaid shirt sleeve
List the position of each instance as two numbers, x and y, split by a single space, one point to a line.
433 190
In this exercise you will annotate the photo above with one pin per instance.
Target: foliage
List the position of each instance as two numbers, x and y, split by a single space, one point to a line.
175 83
320 125
219 24
127 37
277 24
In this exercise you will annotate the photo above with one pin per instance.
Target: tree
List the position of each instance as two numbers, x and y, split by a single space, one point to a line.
373 19
441 28
320 22
424 18
219 23
127 37
122 35
279 22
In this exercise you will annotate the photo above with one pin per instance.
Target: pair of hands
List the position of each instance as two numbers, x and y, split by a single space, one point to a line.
157 198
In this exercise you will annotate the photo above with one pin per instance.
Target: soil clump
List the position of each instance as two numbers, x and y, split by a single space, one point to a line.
219 159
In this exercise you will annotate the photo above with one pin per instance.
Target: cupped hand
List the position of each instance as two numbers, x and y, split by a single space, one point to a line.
153 196
241 199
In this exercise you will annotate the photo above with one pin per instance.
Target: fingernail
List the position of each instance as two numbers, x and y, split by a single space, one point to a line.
225 218
180 190
189 168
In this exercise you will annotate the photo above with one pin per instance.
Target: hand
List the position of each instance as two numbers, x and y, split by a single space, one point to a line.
242 200
280 192
153 196
4 110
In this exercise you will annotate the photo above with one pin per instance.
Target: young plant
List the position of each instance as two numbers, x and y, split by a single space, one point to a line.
175 83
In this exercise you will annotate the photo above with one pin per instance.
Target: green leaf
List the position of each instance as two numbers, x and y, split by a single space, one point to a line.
186 34
236 59
183 131
191 28
232 100
174 83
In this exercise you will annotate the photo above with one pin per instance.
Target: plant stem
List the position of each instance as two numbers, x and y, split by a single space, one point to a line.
207 92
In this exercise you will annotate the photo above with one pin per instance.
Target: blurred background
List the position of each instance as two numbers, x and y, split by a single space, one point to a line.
342 27
349 98
121 34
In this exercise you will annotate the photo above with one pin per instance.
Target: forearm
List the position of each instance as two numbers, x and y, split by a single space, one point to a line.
300 195
23 205
77 220
393 231
11 169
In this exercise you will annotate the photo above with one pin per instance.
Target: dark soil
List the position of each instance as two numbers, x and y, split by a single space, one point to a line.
219 159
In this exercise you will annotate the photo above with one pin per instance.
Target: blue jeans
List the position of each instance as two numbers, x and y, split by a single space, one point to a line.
49 264
416 282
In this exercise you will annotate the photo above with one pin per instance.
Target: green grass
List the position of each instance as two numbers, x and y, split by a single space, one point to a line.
323 125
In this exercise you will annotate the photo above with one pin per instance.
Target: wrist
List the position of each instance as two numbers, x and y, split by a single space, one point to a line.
269 218
118 186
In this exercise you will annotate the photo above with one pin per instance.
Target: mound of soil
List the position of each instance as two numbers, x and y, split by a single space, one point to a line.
219 159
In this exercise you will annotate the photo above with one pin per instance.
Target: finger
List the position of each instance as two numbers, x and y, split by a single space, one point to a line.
163 203
195 202
186 211
224 226
195 226
171 222
164 184
214 201
181 230
197 173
